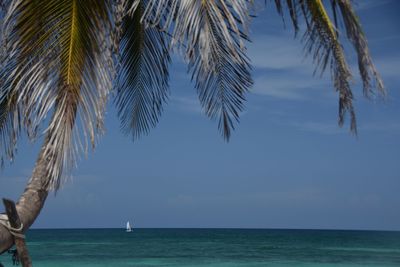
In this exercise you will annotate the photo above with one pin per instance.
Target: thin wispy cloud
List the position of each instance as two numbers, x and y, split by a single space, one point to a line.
389 67
265 198
282 70
385 39
277 52
331 128
392 127
188 104
292 85
7 178
325 128
368 4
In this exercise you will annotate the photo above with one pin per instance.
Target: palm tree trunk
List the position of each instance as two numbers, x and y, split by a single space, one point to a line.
31 201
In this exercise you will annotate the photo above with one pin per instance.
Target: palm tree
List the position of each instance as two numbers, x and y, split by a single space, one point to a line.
62 59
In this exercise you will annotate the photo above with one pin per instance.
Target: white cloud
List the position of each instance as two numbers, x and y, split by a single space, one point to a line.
369 4
319 127
387 126
389 67
277 52
292 86
331 128
281 69
190 104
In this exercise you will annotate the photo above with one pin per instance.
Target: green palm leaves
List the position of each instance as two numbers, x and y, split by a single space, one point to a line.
216 56
60 65
60 59
9 125
212 36
322 42
356 35
142 82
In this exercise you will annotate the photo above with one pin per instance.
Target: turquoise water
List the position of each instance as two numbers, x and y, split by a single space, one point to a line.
211 247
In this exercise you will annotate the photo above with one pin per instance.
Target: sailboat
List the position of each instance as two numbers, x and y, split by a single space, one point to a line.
128 227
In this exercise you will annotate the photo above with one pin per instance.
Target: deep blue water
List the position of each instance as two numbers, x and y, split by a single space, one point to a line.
211 247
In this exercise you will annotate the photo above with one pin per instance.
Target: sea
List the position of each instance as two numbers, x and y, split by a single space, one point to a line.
210 247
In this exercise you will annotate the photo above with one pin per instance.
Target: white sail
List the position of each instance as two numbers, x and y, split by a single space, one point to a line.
128 227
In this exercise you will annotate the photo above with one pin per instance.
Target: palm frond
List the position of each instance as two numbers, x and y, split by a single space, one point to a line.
357 37
292 7
142 82
61 62
9 111
322 42
119 10
212 35
217 60
9 127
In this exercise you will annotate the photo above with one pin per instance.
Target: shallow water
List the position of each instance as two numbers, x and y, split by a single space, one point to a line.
211 247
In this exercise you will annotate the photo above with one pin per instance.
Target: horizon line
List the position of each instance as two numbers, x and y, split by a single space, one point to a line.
218 228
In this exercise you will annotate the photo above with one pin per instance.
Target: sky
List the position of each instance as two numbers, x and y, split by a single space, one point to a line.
287 165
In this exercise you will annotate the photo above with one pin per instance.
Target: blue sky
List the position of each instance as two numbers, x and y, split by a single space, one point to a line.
288 164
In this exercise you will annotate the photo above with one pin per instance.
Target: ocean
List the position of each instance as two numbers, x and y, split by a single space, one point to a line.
210 247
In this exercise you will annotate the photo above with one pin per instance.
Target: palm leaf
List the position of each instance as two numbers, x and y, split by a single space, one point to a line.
322 42
292 7
357 37
9 127
62 60
212 35
9 111
142 82
218 62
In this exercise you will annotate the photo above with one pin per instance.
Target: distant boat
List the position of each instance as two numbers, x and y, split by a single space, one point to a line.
128 227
